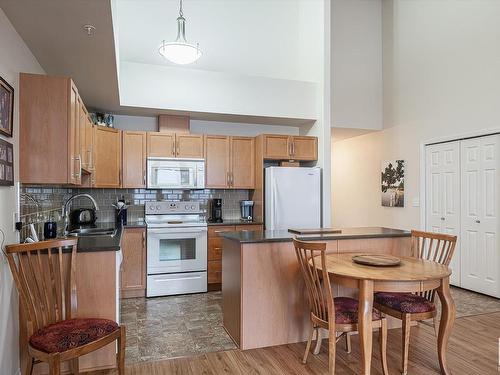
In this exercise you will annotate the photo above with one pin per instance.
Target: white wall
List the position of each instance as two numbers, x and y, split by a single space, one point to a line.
16 58
441 78
143 123
192 90
357 64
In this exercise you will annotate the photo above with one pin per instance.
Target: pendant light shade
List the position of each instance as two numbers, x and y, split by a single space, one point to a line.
180 51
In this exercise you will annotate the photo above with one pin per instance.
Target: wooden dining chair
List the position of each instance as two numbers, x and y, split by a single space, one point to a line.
46 283
339 314
410 307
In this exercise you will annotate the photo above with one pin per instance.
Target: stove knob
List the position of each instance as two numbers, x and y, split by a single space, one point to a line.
158 207
192 207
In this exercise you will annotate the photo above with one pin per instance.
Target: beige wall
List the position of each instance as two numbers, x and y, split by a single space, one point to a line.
441 78
15 58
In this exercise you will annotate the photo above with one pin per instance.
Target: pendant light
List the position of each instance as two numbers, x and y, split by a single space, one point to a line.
180 52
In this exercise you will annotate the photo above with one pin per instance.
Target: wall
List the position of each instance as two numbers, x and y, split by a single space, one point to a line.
50 200
357 64
16 58
145 123
441 78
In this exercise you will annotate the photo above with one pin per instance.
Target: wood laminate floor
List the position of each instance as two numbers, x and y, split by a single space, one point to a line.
473 350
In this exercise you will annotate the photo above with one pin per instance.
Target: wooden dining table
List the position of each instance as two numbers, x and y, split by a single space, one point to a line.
411 275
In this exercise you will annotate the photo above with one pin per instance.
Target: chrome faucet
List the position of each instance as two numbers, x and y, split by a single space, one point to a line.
66 208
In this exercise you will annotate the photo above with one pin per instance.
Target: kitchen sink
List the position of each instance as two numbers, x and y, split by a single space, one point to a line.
82 232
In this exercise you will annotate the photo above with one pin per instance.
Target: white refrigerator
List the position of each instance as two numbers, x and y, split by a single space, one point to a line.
292 198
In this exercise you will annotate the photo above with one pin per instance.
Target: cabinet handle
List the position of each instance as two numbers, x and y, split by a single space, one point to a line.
144 178
232 179
78 174
143 239
293 148
173 149
289 147
228 180
178 150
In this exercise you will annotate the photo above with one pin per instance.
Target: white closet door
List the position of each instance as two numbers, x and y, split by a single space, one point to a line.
480 206
443 195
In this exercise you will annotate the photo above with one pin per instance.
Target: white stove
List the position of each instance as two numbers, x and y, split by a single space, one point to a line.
176 248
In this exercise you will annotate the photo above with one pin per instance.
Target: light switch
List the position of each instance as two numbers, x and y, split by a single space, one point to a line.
416 202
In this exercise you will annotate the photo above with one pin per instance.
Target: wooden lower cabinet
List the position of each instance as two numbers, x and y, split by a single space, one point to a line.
133 271
214 256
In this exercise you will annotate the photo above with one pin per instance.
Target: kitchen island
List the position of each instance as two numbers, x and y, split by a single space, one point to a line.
263 294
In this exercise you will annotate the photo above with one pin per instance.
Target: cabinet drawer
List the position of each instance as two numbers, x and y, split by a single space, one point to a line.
214 271
215 249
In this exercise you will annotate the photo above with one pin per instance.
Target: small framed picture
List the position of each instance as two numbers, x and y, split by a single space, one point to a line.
6 108
6 163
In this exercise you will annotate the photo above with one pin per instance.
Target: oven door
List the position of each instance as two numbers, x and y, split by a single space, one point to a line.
172 250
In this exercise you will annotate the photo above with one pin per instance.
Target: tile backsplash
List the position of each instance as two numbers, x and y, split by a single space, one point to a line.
41 203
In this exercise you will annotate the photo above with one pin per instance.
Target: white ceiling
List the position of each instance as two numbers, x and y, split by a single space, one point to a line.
267 38
53 30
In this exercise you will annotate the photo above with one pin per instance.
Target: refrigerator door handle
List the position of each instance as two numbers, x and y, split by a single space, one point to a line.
275 204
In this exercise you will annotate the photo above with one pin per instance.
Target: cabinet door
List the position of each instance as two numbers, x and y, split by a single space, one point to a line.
134 159
217 161
304 148
133 274
189 146
442 204
74 174
480 258
161 144
107 157
276 147
242 163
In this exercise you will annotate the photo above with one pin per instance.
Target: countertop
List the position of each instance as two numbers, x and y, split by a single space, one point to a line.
285 236
234 222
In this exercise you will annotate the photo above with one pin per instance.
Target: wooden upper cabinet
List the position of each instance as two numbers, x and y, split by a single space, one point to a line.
107 157
189 146
242 163
134 159
217 161
161 144
284 147
304 148
50 130
133 271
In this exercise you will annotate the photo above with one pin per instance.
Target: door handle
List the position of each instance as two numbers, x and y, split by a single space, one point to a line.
442 218
478 221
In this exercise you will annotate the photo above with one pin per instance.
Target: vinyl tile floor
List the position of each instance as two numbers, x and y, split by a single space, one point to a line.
188 325
174 326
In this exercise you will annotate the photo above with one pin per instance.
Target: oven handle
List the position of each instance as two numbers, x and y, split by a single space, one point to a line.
176 230
181 278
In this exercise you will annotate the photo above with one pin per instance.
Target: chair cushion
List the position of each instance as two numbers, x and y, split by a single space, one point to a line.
71 333
346 311
405 302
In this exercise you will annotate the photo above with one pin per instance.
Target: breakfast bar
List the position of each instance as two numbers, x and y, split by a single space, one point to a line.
264 300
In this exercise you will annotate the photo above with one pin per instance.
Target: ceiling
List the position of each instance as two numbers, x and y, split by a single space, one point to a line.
53 30
267 38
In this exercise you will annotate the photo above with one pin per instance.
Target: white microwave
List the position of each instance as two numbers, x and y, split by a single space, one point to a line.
170 173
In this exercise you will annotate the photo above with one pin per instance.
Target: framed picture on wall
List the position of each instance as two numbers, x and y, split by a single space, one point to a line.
6 163
6 108
393 183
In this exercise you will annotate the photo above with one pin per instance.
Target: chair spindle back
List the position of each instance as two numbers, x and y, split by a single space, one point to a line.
43 280
436 247
319 290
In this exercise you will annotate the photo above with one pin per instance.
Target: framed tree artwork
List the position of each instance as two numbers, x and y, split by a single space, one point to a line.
6 108
393 183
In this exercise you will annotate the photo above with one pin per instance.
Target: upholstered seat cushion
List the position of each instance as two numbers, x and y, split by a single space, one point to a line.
71 333
405 302
346 311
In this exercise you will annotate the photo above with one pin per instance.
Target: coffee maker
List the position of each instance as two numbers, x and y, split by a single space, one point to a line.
216 211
